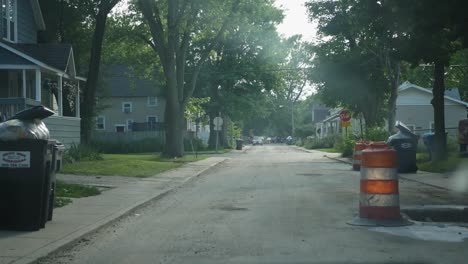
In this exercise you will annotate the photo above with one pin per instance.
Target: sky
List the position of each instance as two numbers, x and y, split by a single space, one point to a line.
296 20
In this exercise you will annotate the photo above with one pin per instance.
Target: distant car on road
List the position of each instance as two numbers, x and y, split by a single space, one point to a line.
257 141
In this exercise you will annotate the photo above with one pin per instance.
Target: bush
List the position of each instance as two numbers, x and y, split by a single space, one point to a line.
299 142
376 134
81 152
146 145
345 146
315 143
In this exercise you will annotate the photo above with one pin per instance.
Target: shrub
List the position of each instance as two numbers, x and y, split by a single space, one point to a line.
81 152
299 142
376 134
346 146
326 142
126 147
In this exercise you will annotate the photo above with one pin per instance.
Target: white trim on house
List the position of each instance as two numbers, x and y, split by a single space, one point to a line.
18 67
149 100
8 21
120 125
129 122
31 59
123 107
71 58
103 122
155 117
407 85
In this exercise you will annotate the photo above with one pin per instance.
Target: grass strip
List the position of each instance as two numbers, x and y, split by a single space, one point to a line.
130 165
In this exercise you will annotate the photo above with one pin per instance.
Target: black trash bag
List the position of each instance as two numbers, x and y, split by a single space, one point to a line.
37 112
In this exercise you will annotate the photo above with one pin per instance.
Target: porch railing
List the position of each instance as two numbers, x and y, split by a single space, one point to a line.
10 106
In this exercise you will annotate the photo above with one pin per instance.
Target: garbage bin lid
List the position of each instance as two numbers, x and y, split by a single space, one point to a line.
404 129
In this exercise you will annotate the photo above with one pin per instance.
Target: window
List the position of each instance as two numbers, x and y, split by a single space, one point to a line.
152 101
100 123
129 124
127 107
119 128
9 20
152 120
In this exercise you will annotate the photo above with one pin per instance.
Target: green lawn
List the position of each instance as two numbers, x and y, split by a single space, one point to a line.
65 191
132 165
449 165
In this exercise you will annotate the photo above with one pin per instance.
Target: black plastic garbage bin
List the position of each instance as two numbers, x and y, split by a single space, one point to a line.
25 167
239 143
405 143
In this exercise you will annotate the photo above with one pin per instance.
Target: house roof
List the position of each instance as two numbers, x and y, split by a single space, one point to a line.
118 79
451 94
55 57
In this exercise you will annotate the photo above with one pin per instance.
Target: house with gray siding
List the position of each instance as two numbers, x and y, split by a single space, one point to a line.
130 105
414 108
36 74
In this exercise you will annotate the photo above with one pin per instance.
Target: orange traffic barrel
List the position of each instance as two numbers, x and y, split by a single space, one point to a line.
379 203
358 148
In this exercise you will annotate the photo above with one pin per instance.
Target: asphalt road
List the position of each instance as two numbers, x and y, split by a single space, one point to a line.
273 204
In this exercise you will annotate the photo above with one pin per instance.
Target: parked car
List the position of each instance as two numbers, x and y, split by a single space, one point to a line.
257 141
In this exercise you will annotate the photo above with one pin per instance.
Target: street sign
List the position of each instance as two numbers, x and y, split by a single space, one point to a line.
345 124
345 116
218 122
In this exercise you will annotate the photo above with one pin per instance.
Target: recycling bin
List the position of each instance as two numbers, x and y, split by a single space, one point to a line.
25 170
405 143
57 157
239 144
428 140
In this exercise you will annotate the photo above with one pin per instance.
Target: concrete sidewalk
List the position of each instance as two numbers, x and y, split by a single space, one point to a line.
86 215
449 182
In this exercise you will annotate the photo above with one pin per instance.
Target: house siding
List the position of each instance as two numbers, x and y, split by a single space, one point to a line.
64 129
27 28
140 110
421 115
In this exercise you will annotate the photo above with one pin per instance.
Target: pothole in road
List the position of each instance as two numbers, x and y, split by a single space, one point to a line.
445 214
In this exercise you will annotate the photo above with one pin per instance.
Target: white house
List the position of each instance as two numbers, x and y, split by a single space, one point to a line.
415 110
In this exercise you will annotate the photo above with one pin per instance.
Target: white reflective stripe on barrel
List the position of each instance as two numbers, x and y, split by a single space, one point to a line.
357 162
379 199
379 173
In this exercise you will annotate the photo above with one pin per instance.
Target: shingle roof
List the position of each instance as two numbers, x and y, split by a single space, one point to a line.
54 54
117 79
7 57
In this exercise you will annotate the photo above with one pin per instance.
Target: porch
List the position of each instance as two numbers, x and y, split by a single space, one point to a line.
28 86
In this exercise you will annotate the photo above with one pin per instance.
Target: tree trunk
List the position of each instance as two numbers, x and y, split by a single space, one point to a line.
440 138
212 138
89 94
174 119
393 99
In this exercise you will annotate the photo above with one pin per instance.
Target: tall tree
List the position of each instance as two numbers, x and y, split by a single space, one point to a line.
427 31
99 11
174 25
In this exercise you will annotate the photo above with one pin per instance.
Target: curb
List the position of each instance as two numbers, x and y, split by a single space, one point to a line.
339 160
70 240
